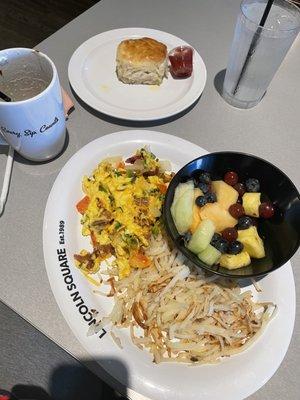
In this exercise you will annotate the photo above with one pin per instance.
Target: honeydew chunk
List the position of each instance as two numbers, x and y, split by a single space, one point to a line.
202 237
196 219
179 191
183 211
210 255
196 211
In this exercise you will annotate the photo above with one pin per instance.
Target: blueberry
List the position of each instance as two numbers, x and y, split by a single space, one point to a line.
211 197
235 247
244 222
216 237
219 243
204 177
252 185
204 187
222 245
201 201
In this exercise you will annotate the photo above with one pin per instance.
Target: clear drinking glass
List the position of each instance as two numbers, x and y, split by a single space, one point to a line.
257 52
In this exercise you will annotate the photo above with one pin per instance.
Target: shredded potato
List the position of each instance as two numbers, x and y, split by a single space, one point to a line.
182 315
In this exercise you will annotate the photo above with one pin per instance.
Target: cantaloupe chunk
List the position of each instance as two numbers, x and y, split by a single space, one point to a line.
226 195
220 217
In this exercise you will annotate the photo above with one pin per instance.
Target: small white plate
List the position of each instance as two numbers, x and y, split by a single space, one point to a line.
234 378
92 74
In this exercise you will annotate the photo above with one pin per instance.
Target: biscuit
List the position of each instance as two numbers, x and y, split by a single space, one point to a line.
141 61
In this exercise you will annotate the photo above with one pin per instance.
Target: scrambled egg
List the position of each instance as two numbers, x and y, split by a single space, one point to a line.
121 210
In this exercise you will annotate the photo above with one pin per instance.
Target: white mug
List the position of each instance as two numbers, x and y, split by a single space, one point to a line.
33 122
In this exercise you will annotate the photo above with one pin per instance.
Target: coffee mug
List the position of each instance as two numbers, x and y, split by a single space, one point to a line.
32 118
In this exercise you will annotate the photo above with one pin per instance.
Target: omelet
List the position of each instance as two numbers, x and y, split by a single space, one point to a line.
120 211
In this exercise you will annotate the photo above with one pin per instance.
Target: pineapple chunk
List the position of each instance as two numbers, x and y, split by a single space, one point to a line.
235 261
253 244
251 203
226 195
220 217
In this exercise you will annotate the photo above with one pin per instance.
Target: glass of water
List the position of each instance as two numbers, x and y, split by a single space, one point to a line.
257 51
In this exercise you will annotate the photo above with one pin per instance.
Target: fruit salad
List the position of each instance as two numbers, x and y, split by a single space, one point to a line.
218 218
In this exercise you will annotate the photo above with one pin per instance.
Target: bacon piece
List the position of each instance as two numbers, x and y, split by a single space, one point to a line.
132 160
151 173
104 250
82 259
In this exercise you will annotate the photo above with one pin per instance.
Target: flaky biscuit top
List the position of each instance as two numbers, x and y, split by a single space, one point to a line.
141 50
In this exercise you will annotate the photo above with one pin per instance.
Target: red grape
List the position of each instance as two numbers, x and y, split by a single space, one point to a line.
240 188
230 234
231 178
266 210
236 210
181 59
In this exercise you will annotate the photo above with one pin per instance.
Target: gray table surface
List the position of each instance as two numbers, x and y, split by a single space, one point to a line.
270 130
34 367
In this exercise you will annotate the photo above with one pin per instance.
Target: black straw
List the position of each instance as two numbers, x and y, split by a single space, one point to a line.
4 97
253 44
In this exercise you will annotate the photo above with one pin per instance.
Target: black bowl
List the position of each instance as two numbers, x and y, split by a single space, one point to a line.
281 233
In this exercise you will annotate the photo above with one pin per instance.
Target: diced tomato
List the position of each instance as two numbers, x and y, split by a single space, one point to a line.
162 188
139 260
82 205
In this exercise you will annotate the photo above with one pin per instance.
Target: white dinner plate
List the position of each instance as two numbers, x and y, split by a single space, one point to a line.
234 378
92 74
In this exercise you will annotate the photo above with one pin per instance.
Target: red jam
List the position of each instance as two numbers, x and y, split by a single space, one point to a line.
181 59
